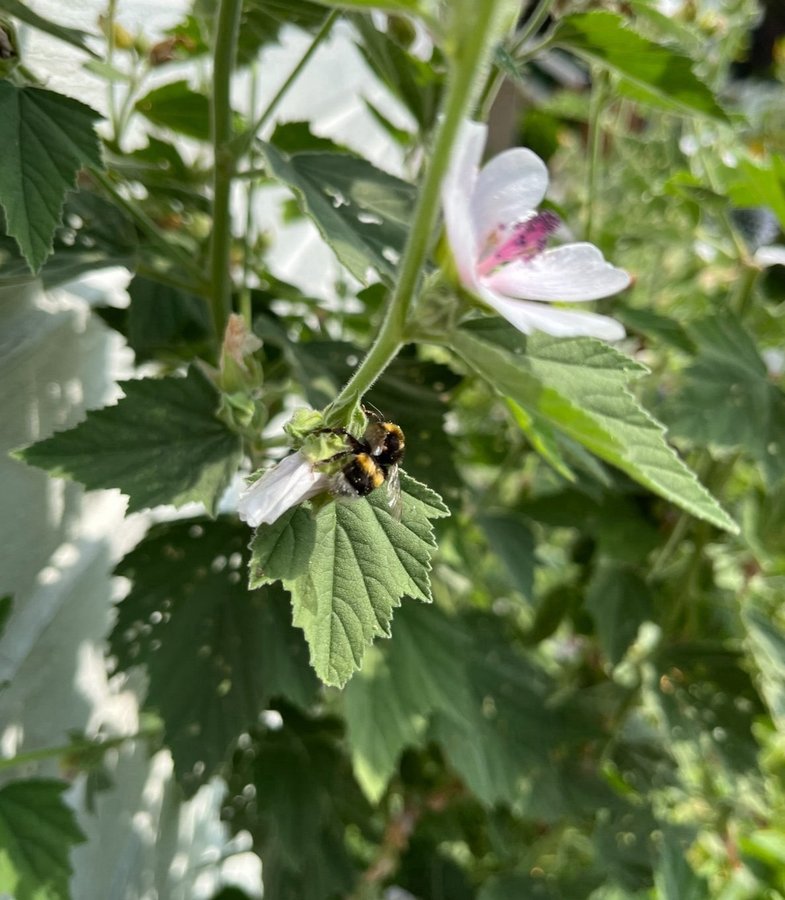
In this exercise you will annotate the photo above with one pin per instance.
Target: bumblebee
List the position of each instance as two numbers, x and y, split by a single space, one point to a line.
374 461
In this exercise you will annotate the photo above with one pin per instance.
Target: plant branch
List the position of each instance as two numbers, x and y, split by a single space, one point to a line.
227 28
456 106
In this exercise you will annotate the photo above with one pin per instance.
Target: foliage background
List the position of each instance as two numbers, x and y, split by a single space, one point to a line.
592 705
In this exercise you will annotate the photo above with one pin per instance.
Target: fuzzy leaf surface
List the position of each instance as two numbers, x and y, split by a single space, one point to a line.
215 653
579 386
160 444
361 563
46 139
37 832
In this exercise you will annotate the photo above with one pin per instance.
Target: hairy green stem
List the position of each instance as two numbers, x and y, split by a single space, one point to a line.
392 334
227 28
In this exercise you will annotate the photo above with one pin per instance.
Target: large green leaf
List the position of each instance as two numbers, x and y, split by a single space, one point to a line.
767 642
362 212
215 653
727 399
304 800
649 72
162 443
579 386
37 832
347 567
402 682
45 140
23 13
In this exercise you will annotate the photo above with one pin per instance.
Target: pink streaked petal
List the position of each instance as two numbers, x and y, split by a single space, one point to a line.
288 483
508 190
574 272
528 317
457 188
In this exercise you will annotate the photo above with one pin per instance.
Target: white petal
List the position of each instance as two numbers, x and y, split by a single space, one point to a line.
508 189
457 188
288 483
772 255
528 317
573 272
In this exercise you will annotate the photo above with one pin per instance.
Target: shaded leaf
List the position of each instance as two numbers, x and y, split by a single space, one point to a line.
46 139
215 654
162 443
511 539
177 106
620 602
403 681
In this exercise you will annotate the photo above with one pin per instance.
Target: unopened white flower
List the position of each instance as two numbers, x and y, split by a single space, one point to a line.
292 481
498 240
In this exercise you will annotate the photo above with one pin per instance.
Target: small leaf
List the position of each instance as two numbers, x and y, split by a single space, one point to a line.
23 13
360 211
579 386
362 562
215 653
46 139
162 443
767 643
650 73
177 106
37 832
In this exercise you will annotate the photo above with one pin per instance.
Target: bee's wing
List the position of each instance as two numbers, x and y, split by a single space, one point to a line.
394 492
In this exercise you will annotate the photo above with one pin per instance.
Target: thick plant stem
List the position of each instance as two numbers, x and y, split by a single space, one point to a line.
227 27
392 334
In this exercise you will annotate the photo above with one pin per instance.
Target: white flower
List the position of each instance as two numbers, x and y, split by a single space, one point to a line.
288 483
771 255
498 240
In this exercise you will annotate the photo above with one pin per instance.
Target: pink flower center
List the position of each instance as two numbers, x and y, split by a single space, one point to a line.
528 239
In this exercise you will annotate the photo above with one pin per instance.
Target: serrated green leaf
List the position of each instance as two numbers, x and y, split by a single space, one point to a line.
651 73
579 386
162 443
23 13
177 106
360 211
403 681
37 832
362 563
727 399
46 139
262 21
214 653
